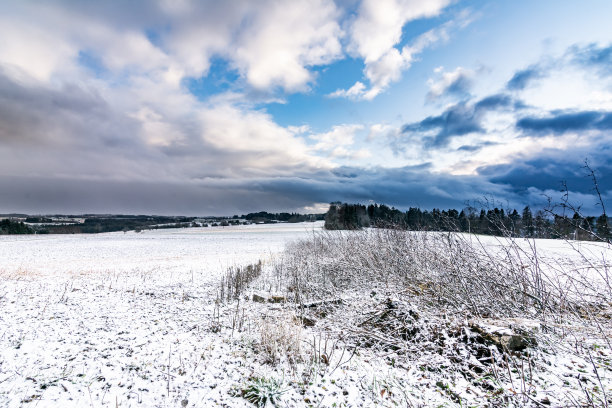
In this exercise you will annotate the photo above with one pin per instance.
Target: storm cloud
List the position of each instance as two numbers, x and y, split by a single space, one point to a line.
458 120
561 122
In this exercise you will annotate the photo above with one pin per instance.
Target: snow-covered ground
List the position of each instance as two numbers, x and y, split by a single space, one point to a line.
122 319
203 250
130 320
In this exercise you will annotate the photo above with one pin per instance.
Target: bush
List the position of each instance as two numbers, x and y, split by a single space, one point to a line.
263 391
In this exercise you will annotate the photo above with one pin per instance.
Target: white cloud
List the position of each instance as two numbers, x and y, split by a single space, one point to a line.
284 39
339 143
272 44
377 130
360 154
570 88
298 129
354 92
385 70
339 136
456 82
377 31
31 49
378 27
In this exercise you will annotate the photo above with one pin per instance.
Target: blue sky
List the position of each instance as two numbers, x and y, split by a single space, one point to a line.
206 107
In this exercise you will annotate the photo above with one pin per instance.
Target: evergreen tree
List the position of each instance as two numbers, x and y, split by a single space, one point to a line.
528 224
602 227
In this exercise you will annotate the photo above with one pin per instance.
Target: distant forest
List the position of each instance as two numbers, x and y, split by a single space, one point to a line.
12 227
500 222
91 223
264 217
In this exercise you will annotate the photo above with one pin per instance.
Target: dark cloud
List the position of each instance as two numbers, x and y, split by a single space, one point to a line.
458 120
593 56
526 182
402 187
548 169
493 102
70 115
521 79
561 122
550 176
476 147
515 184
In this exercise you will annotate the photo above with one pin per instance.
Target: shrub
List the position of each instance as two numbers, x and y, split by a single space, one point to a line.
263 391
236 280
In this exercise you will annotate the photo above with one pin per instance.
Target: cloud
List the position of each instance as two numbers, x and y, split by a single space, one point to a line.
476 147
338 141
460 119
109 102
380 129
561 122
454 83
521 79
356 91
550 168
75 130
103 121
377 30
404 187
593 56
524 182
279 44
96 113
271 44
495 101
59 118
409 186
378 26
589 56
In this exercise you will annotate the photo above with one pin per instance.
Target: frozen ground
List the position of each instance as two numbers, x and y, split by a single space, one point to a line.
202 250
130 320
123 319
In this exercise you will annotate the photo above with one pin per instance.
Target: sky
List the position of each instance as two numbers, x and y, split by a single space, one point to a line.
229 107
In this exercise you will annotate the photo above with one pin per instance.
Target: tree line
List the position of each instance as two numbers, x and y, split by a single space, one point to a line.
266 217
14 227
491 221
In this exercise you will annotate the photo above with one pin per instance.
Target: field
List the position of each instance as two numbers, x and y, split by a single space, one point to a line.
96 320
128 320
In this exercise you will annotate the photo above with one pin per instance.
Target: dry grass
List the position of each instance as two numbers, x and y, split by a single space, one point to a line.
236 280
441 288
20 273
449 270
281 339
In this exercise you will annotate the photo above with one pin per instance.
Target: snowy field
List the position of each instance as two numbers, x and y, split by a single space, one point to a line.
201 250
96 320
130 320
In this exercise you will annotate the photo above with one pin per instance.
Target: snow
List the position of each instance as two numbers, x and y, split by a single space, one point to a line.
96 320
205 249
130 320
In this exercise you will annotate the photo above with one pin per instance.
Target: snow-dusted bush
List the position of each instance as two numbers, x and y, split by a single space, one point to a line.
488 314
455 271
236 280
